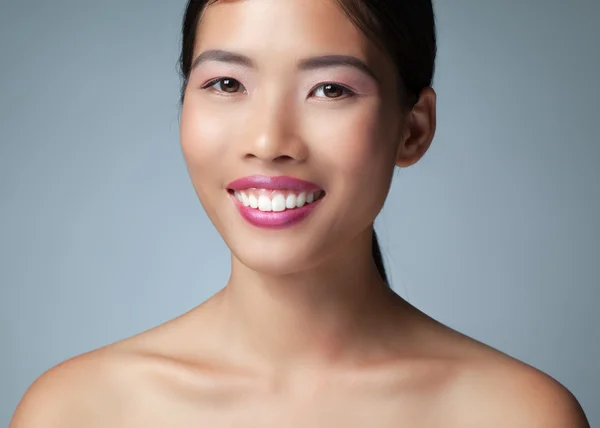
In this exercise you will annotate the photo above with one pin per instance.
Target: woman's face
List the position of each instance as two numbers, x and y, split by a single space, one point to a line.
276 112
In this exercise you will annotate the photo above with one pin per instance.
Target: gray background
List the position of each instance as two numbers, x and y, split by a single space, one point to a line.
495 232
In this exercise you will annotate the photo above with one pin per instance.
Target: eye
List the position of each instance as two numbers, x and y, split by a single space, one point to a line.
224 85
331 90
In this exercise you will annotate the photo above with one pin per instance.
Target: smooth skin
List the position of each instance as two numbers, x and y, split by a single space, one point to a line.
305 333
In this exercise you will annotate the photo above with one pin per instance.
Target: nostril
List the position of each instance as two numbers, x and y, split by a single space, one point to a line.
283 158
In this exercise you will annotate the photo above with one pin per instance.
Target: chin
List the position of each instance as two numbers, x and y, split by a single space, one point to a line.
276 261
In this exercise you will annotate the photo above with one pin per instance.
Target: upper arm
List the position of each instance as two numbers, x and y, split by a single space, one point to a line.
46 402
64 396
541 401
518 397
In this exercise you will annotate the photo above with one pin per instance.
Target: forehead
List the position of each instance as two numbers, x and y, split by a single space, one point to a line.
282 29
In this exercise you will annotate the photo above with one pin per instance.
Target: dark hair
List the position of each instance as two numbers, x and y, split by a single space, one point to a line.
402 29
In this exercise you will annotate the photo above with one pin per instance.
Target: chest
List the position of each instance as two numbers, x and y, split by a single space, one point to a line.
262 412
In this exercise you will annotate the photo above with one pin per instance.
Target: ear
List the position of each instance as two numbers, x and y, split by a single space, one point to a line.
419 129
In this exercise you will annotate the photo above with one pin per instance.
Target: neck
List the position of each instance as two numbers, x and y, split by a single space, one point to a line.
323 315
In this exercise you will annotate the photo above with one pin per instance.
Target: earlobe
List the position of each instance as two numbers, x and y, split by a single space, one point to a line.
420 125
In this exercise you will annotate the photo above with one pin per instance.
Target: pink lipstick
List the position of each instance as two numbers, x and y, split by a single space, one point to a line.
274 202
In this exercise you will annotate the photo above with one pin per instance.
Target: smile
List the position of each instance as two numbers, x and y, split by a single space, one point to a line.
274 202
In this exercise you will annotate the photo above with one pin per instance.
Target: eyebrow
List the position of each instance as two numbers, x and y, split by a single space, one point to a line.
312 63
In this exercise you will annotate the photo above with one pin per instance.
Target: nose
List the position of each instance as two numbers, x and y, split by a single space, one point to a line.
272 135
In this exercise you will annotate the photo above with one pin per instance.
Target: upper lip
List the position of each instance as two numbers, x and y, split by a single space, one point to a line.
272 183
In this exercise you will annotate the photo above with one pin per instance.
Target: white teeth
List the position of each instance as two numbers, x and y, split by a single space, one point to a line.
290 201
277 203
245 200
253 201
264 203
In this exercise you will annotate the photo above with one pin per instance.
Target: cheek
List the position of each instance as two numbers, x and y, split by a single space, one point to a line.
203 136
357 151
354 143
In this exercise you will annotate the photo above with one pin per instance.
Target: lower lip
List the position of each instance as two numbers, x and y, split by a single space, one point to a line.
272 219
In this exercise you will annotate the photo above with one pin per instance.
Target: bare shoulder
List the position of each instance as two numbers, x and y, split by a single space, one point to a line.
488 388
83 391
107 387
500 391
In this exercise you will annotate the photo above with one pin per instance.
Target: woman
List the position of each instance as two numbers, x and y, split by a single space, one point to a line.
295 115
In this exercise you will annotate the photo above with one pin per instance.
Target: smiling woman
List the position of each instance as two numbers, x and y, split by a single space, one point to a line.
295 115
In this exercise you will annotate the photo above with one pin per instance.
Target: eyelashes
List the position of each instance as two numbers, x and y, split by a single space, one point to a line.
335 88
227 86
223 81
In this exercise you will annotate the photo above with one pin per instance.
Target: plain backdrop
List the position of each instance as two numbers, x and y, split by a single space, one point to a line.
494 232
